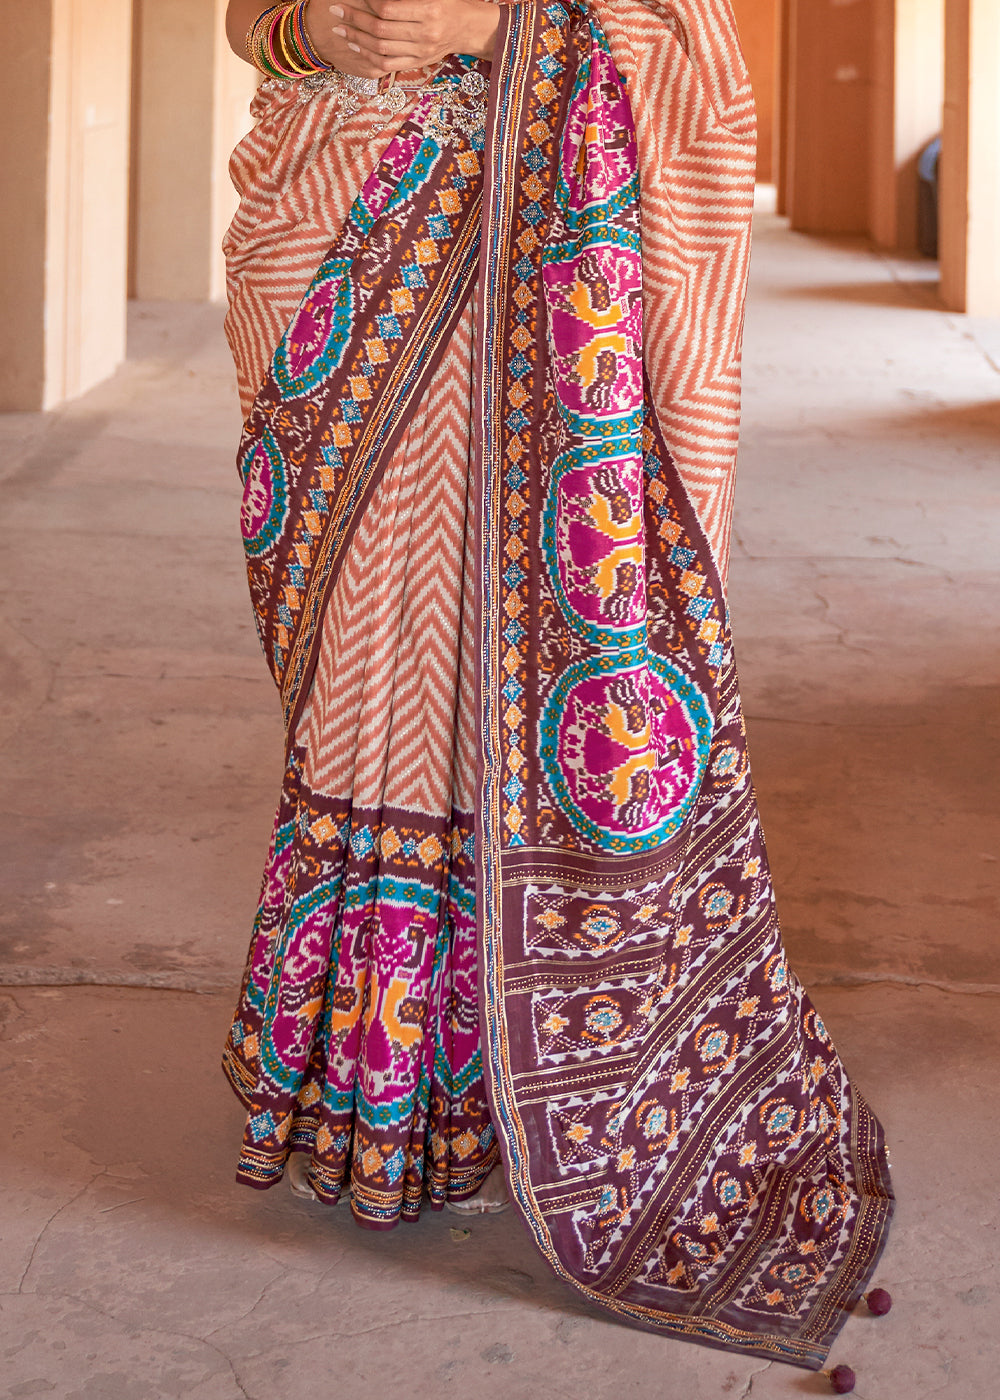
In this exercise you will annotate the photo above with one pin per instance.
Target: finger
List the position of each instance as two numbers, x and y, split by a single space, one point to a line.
394 11
378 29
352 13
401 11
390 53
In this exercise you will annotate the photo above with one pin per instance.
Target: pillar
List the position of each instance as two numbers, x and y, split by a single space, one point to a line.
829 108
907 97
64 216
757 23
192 100
781 142
969 218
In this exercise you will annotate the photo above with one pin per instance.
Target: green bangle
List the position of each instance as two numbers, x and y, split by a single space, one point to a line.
255 43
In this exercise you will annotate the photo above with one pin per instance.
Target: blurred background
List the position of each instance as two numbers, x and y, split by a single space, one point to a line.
141 735
120 116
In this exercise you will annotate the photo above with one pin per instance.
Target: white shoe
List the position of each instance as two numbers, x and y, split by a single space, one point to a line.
492 1198
297 1171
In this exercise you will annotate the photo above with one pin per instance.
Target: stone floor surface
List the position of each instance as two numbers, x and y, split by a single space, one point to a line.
141 758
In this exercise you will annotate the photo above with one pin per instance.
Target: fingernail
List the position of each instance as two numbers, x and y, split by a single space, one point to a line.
340 33
355 48
336 10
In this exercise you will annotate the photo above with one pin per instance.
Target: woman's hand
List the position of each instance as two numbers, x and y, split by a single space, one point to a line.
330 47
389 36
371 38
328 37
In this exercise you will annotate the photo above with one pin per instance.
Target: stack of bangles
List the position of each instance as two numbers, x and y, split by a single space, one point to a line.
278 44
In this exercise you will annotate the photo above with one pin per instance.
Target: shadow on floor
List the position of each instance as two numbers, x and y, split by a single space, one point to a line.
976 423
919 295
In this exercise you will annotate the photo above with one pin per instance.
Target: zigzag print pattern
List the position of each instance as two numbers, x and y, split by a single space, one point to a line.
297 172
385 729
696 164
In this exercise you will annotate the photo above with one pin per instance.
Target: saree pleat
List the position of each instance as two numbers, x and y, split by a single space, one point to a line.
517 904
369 878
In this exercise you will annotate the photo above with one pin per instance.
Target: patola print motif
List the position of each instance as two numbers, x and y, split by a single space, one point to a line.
678 1131
356 1038
681 1136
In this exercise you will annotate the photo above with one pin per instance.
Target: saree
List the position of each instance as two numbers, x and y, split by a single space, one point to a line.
517 906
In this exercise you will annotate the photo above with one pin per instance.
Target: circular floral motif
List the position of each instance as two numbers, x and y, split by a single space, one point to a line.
825 1203
625 739
814 1026
730 1192
716 901
265 494
779 1120
600 926
712 1043
655 1121
726 760
602 1018
593 540
776 972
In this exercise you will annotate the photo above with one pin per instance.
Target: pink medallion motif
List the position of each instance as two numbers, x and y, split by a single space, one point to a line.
594 303
598 150
630 746
265 495
600 546
258 494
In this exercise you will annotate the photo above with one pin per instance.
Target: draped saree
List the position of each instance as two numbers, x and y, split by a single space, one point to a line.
517 905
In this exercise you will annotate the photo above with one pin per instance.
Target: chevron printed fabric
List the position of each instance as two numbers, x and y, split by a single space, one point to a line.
517 906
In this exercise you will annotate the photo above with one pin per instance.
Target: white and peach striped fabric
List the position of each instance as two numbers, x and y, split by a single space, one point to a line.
300 169
391 721
695 124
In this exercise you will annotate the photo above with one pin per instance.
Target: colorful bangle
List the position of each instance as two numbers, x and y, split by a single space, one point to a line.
252 52
258 47
302 35
290 44
279 51
278 44
274 57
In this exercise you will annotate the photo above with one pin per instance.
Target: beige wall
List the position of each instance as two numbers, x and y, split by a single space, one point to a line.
65 153
192 97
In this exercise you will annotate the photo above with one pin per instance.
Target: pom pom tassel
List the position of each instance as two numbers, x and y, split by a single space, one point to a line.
842 1380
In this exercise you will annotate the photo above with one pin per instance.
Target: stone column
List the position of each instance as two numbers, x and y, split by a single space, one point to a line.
758 27
828 126
907 106
192 96
64 215
781 103
969 221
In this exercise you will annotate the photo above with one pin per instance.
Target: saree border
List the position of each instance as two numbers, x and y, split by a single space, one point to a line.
383 431
338 454
808 1340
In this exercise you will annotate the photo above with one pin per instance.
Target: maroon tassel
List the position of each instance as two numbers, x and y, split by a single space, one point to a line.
842 1379
879 1301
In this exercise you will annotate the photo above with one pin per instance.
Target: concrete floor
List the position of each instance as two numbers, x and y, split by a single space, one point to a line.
140 768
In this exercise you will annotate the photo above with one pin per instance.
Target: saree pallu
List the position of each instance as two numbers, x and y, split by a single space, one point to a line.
518 901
